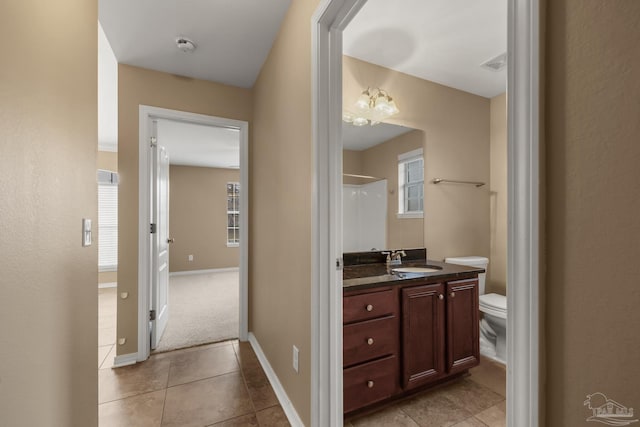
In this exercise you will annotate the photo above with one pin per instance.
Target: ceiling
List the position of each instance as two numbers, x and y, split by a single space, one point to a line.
444 41
191 144
233 38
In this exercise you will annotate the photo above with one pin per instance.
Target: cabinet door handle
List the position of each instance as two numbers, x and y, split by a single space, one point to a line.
440 296
369 307
370 341
452 294
370 384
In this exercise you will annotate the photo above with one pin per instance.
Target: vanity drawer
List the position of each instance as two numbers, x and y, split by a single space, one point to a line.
370 339
368 305
370 382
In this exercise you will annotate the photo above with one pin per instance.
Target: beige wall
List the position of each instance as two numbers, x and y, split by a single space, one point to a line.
352 164
108 160
382 161
497 274
456 127
198 218
138 86
592 204
107 277
48 143
280 176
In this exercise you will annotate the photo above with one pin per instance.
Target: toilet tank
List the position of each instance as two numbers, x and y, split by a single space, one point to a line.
472 261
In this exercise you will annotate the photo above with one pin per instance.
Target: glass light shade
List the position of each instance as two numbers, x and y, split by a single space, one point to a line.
382 105
363 101
360 121
393 107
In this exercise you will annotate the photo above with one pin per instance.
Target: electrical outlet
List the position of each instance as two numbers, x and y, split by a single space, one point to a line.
296 353
190 258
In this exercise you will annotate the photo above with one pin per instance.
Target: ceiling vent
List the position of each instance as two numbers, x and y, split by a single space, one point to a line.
497 63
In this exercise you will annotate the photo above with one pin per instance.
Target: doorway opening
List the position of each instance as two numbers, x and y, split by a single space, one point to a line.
523 222
193 244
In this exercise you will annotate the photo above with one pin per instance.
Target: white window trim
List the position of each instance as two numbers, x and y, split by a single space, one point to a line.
402 160
410 215
232 244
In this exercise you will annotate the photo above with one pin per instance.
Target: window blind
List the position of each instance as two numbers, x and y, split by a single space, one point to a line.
107 227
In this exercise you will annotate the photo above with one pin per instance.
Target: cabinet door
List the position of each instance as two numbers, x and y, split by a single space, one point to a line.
423 334
463 345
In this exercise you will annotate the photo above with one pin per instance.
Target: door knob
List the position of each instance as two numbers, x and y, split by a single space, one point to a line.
369 307
370 341
370 384
453 294
171 240
440 296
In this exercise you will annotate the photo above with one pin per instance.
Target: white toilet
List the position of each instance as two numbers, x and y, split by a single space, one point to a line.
493 326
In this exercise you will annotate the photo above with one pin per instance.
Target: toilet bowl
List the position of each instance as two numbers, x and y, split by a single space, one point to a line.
493 325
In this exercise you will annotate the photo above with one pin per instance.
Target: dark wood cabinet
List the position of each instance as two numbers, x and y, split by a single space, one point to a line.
463 323
402 337
422 334
371 336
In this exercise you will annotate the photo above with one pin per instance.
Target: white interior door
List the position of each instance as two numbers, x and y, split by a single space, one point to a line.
159 241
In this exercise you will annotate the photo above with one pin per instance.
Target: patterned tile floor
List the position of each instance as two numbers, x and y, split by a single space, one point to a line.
219 384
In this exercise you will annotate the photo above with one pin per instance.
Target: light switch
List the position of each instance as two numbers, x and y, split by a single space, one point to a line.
86 232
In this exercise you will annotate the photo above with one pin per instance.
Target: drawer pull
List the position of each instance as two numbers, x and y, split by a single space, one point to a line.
370 384
453 294
369 307
370 341
440 296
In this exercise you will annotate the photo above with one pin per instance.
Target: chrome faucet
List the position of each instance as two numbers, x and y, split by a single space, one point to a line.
396 256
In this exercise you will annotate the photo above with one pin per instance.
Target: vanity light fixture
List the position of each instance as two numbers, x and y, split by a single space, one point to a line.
371 107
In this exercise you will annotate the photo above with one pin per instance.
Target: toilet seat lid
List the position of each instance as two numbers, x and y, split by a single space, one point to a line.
494 304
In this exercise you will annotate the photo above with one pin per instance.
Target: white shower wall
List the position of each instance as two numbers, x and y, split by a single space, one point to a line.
364 210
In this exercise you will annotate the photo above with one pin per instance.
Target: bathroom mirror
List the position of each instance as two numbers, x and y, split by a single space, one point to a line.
378 213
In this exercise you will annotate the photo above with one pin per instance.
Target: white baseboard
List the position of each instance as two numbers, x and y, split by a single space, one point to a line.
285 403
125 360
210 270
107 285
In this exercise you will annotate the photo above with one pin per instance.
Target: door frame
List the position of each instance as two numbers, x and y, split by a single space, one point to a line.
523 121
146 115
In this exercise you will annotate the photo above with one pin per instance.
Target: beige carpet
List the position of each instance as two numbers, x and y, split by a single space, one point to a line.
203 308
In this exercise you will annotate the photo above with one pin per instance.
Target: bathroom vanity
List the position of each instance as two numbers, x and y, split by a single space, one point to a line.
406 331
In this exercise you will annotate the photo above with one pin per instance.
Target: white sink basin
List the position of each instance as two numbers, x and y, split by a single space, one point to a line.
415 270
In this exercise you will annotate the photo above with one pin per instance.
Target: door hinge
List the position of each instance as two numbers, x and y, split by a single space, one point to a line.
339 264
152 228
152 315
153 141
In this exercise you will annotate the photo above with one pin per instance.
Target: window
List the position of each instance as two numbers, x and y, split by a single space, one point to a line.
107 221
411 184
233 214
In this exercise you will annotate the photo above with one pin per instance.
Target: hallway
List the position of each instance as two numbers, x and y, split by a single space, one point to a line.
219 384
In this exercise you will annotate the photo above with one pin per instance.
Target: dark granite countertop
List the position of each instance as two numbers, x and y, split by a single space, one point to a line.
363 276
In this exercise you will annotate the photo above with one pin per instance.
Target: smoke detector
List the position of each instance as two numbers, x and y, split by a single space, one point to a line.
185 45
497 63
